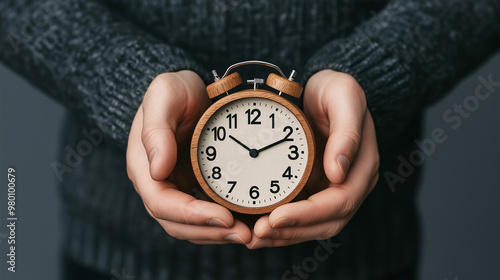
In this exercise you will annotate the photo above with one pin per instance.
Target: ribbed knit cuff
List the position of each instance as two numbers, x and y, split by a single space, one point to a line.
385 79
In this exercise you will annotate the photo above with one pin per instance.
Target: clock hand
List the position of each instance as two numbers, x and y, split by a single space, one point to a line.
241 144
274 144
253 152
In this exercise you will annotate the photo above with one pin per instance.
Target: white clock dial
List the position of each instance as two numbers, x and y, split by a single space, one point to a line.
253 152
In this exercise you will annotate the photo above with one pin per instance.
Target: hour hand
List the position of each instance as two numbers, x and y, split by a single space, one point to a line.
253 152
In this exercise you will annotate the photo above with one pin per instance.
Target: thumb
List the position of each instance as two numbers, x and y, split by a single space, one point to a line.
163 106
340 151
345 114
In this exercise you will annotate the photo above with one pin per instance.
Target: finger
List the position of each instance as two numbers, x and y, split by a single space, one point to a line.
311 232
161 198
337 201
239 233
258 243
204 242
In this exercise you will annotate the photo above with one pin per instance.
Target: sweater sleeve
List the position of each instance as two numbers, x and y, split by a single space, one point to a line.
87 57
410 53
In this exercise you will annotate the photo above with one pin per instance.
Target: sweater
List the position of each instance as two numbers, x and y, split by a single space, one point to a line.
98 58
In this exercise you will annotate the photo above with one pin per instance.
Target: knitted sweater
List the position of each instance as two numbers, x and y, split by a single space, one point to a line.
98 58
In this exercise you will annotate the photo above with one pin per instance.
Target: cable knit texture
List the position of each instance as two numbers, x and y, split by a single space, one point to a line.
98 58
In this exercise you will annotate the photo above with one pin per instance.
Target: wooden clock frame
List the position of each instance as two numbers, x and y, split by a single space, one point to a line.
252 93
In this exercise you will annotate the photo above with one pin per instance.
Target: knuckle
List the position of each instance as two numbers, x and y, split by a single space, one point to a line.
294 234
186 216
148 135
154 210
349 80
174 232
165 84
330 232
353 136
350 86
347 207
211 235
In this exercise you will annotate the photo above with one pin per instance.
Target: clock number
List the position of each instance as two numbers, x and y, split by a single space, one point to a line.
232 183
254 192
294 153
219 133
274 184
272 120
255 120
287 173
211 153
232 117
290 131
216 173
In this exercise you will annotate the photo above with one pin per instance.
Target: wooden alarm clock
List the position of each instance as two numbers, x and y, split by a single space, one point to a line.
253 150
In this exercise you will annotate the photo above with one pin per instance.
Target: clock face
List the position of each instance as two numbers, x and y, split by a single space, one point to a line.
253 152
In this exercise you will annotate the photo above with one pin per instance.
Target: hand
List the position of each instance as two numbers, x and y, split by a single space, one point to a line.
159 167
345 172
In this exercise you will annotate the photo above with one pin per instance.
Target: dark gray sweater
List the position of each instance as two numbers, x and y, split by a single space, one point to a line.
98 58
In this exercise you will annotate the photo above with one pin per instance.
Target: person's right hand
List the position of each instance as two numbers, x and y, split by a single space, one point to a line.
159 167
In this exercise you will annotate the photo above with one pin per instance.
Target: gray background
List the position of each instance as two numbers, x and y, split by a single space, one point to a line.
458 198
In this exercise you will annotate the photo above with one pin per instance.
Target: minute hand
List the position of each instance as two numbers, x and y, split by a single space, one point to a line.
275 143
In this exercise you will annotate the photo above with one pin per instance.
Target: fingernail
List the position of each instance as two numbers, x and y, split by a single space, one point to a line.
283 222
261 243
343 163
233 237
216 223
152 155
269 233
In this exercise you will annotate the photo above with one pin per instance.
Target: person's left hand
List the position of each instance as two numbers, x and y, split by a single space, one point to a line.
345 172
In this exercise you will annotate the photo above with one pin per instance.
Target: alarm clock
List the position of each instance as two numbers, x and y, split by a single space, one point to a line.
253 150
